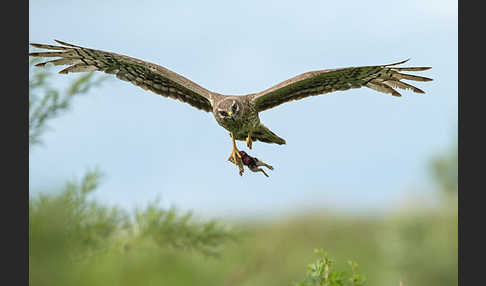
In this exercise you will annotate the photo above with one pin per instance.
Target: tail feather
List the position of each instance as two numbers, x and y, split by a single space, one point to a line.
262 133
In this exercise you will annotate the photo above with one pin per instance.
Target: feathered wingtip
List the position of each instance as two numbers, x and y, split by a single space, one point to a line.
67 44
48 47
62 51
407 68
67 54
398 63
392 81
398 76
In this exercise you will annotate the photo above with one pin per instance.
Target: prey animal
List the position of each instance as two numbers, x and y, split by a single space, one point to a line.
251 162
237 114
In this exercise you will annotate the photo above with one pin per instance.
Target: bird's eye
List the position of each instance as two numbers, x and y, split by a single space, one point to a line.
223 113
233 108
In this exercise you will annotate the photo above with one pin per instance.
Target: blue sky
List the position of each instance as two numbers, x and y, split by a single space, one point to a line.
354 150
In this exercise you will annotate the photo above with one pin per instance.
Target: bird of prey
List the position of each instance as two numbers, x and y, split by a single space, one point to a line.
237 114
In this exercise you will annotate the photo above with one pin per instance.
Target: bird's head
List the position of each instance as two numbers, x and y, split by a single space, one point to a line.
228 109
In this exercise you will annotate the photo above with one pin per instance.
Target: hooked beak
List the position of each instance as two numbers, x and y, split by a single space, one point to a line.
230 113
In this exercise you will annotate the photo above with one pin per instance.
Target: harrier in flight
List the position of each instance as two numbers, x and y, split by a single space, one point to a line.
237 114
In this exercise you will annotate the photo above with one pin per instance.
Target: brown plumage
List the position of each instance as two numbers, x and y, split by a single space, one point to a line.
146 75
237 114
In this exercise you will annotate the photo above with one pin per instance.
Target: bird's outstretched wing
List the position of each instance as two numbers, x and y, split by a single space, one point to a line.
383 78
146 75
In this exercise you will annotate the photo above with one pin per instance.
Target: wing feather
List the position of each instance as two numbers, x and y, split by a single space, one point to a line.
60 62
402 85
140 73
382 78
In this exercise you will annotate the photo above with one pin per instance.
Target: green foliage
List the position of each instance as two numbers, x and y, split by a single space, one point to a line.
75 240
180 232
46 102
322 273
68 224
356 279
422 245
68 231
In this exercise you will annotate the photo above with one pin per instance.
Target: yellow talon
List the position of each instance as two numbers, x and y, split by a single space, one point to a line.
235 157
249 142
235 153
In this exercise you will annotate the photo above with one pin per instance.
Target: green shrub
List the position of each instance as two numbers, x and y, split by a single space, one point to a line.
322 273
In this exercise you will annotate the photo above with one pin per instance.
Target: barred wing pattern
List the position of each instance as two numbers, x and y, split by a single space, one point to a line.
383 78
143 74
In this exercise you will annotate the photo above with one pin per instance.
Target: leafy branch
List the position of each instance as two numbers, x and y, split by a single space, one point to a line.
46 102
321 273
68 226
166 228
73 227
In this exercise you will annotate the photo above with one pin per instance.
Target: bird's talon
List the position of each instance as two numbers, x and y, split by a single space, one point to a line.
235 157
249 142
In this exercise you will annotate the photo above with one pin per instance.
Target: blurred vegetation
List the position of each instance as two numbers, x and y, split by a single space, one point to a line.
74 240
46 102
445 170
322 273
72 237
69 233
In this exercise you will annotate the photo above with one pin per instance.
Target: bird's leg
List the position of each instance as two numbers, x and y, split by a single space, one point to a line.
249 141
235 155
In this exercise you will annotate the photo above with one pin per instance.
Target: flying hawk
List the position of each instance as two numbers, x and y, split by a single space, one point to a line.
237 114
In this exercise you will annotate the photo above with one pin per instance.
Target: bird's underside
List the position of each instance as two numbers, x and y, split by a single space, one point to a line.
238 114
